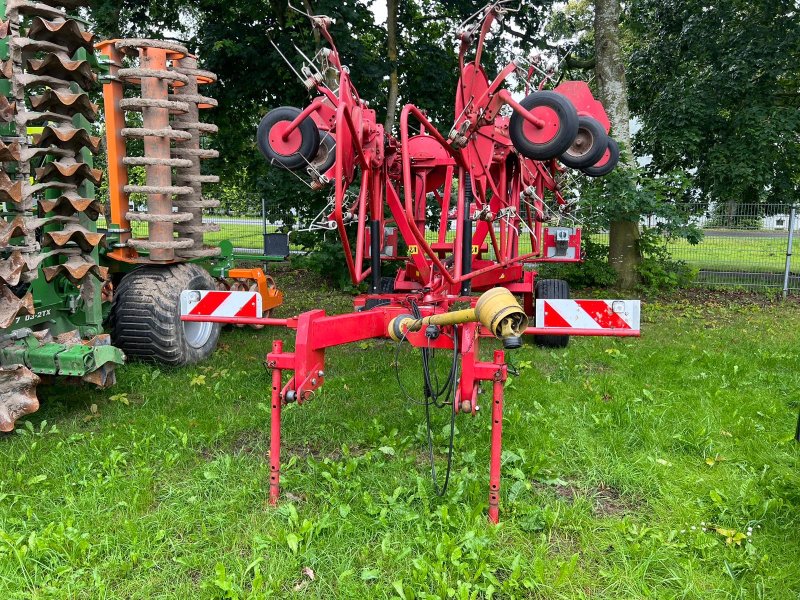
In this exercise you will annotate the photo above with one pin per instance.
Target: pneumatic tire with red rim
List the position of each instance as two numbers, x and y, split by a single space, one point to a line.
299 147
607 162
589 145
558 133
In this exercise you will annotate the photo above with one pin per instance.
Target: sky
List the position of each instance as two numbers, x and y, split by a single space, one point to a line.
378 9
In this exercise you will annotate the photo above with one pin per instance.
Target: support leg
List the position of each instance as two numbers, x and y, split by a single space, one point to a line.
797 431
375 255
497 438
275 431
466 239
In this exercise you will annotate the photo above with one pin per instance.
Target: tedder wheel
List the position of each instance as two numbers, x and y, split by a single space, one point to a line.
551 141
297 150
326 154
589 146
146 316
607 161
387 285
551 289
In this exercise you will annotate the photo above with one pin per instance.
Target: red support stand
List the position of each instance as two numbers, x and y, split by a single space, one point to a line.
497 436
306 365
275 430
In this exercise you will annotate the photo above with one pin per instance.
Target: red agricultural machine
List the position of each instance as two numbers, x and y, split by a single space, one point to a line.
492 181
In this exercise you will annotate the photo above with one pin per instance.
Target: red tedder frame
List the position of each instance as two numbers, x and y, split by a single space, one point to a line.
490 198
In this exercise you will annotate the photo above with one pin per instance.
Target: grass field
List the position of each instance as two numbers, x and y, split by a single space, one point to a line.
757 254
660 467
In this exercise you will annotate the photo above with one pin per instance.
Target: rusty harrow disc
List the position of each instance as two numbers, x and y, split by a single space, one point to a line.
149 71
169 104
49 80
191 175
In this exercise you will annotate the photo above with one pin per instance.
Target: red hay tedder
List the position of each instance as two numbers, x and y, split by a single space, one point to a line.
504 157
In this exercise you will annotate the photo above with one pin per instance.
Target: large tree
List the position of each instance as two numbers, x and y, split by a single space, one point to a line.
624 252
718 88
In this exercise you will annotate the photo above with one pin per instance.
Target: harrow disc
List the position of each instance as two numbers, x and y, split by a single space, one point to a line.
169 103
17 395
50 77
190 174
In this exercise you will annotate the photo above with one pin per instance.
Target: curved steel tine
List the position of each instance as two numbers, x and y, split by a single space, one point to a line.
481 10
306 14
308 60
297 10
286 60
501 5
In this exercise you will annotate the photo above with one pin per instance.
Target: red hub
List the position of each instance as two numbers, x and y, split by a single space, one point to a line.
282 144
542 135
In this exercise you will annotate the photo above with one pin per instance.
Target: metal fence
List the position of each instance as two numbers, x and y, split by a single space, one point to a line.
752 248
743 245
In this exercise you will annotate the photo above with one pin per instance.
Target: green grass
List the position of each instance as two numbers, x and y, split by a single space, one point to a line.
242 236
755 253
735 254
627 464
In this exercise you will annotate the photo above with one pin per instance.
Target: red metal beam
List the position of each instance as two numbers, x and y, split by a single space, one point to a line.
583 332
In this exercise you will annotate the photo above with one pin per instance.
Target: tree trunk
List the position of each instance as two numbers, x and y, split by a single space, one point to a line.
391 53
624 252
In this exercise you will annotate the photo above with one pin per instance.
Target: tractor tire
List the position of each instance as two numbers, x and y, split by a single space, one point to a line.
589 145
387 285
551 289
298 150
551 141
606 163
146 321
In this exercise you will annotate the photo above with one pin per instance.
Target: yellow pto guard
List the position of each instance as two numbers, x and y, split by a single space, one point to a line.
497 310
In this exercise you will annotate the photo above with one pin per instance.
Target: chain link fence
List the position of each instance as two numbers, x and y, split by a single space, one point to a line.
743 245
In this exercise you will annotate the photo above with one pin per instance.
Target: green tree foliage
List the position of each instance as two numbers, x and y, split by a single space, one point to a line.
717 86
141 18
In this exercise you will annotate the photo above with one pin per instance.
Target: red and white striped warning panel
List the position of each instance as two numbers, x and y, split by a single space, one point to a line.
212 303
588 314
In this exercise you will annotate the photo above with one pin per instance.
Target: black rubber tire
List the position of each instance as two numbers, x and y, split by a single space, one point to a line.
387 285
609 166
309 143
551 289
590 130
567 130
326 153
145 318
